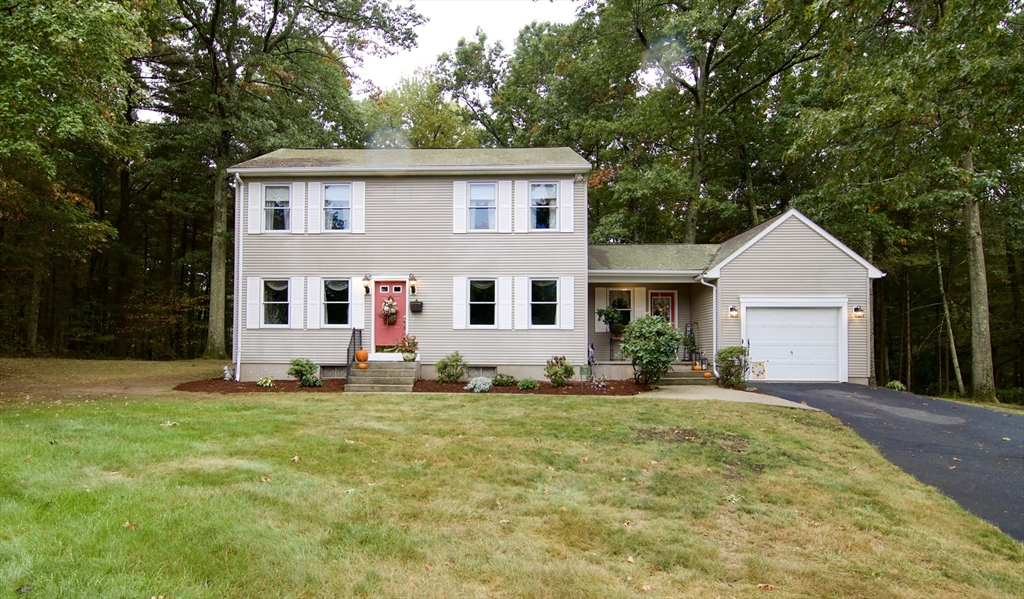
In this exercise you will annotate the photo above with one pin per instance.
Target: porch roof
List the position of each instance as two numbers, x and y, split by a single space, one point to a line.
681 261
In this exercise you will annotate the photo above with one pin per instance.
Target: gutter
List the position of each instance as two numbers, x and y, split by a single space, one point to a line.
714 326
399 170
238 278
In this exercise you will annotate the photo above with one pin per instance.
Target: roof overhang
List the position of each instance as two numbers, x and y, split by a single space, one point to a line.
873 272
642 276
407 170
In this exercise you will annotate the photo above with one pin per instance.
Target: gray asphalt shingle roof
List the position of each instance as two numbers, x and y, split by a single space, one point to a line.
671 256
408 158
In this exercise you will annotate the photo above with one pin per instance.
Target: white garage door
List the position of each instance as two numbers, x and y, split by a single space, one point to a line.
798 344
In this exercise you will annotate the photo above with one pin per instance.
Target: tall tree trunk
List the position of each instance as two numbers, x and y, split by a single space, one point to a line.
908 344
123 223
882 337
983 386
949 325
34 301
748 171
215 344
1015 301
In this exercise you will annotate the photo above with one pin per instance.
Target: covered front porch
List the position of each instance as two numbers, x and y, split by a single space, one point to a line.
637 280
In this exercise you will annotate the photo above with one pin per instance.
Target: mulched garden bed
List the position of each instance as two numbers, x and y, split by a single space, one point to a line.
627 387
285 386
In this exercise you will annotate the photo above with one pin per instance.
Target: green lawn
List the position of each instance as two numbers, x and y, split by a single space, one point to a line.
293 495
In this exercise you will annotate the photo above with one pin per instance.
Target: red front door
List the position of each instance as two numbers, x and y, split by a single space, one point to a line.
387 331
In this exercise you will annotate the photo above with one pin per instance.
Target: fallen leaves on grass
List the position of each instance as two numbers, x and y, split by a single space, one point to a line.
630 559
169 423
296 459
128 525
766 587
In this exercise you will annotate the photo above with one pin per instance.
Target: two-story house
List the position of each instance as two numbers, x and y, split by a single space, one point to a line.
484 252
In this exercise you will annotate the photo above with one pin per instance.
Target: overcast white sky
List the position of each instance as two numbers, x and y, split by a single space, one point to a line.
450 20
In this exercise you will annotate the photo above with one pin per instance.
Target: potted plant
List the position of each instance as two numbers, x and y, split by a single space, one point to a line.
613 318
389 311
408 346
690 344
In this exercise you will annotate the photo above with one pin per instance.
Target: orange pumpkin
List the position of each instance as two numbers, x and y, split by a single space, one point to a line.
362 366
362 355
707 375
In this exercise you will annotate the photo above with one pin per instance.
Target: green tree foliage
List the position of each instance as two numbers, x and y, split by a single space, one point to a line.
416 114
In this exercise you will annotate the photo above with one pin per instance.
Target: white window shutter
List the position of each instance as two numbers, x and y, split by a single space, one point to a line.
460 300
255 208
297 203
459 208
600 303
314 293
639 302
295 300
522 303
567 303
357 313
253 299
505 303
504 206
315 208
522 206
359 207
566 203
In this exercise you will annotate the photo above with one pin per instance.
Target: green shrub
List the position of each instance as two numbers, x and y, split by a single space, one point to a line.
651 345
305 372
480 384
559 371
504 380
1014 396
896 386
732 366
265 382
451 368
528 383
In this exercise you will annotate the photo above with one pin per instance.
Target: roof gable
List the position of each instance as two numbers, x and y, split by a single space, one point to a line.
735 246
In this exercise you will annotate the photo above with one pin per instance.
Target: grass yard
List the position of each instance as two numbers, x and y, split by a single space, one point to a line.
345 495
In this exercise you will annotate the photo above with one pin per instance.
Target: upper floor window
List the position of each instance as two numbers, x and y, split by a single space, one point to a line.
482 206
276 208
337 207
275 302
544 206
482 302
336 301
544 302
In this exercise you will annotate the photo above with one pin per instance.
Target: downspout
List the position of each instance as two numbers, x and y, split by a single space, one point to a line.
238 278
714 325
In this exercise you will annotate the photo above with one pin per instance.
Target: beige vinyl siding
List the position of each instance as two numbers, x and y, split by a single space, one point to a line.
409 230
602 341
794 260
702 301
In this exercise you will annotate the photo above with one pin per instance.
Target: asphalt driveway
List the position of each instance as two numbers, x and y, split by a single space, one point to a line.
974 455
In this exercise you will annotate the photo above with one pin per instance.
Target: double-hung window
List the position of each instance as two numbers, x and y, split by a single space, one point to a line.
275 302
336 302
621 300
337 207
544 206
276 208
483 207
482 303
544 302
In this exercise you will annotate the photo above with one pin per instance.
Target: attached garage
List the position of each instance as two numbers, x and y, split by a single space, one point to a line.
797 342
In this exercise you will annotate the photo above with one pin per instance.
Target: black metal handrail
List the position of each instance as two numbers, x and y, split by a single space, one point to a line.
355 342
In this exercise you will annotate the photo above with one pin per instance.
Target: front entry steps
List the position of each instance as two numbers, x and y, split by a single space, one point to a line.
684 374
382 377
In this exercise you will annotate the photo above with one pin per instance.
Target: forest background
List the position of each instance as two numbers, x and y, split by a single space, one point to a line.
894 124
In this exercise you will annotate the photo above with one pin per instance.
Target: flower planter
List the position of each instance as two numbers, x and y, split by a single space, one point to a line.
409 356
391 319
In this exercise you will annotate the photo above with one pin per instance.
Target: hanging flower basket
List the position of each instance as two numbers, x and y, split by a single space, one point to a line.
389 311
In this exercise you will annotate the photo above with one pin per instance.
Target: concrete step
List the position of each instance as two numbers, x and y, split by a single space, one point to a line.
371 378
686 374
375 388
682 382
391 366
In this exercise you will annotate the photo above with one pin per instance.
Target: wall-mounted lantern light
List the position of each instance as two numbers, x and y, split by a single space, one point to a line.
734 312
366 284
858 312
412 284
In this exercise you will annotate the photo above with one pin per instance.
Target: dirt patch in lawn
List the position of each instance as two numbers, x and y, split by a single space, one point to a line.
284 386
726 441
627 387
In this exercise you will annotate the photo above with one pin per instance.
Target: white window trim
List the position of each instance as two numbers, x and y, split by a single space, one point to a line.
323 208
263 303
497 300
840 303
263 208
323 302
530 206
469 207
557 303
632 300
